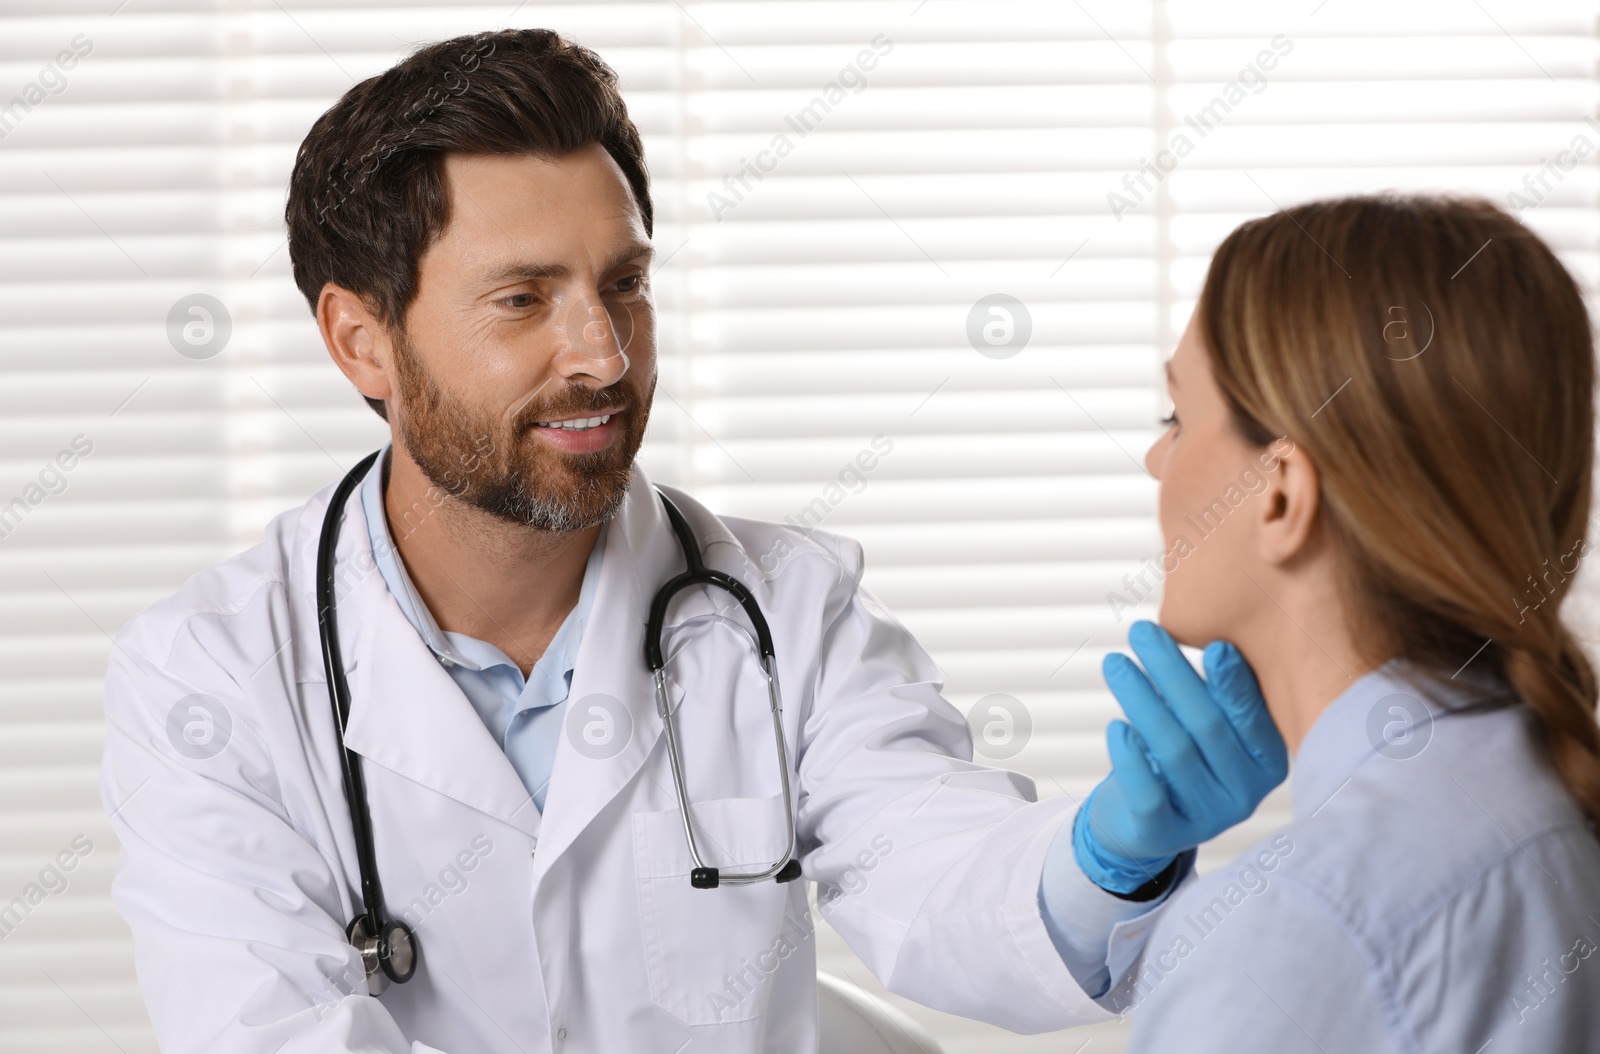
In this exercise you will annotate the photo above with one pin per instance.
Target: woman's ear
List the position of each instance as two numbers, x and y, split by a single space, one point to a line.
1287 519
356 341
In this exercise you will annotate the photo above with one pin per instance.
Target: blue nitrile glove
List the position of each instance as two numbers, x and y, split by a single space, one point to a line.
1194 758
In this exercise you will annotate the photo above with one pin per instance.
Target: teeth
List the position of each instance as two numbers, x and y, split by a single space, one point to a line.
577 424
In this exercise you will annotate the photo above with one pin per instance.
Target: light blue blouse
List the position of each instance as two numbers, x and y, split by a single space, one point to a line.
524 716
1437 890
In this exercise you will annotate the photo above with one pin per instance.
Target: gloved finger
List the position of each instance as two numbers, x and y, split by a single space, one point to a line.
1194 702
1140 782
1190 700
1233 685
1161 731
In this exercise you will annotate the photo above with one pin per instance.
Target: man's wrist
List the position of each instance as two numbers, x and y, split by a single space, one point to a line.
1157 887
1127 879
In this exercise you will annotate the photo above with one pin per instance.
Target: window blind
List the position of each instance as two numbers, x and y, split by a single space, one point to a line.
919 266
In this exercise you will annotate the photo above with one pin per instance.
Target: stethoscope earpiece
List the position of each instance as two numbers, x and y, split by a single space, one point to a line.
711 877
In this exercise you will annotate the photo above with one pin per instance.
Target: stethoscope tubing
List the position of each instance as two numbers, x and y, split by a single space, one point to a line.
388 947
785 868
355 788
375 935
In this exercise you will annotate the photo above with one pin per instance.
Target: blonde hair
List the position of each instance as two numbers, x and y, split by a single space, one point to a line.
1435 361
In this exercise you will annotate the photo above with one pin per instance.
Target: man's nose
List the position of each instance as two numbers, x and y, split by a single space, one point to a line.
591 344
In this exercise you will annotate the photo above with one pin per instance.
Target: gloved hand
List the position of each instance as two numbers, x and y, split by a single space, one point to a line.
1194 758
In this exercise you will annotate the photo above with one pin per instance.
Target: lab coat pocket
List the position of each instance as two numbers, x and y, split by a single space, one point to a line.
697 941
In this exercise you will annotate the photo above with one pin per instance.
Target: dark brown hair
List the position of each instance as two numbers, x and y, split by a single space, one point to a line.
367 195
1436 362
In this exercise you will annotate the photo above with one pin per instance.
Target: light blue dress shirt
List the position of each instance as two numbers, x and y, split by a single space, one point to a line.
1086 923
1436 890
524 716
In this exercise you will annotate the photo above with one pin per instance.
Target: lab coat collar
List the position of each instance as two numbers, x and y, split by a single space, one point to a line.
641 553
1388 711
407 714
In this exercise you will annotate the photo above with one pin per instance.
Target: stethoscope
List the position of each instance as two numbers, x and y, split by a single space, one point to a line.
387 945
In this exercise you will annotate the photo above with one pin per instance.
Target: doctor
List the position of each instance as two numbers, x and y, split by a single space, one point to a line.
472 230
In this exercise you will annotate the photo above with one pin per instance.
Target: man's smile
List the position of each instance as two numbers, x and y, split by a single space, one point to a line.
579 434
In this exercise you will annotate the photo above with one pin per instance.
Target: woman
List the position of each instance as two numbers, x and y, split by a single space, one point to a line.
1416 376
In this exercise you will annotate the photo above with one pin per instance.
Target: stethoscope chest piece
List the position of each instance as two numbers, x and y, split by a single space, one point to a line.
390 955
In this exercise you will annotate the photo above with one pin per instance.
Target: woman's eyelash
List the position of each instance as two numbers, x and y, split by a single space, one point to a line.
1170 420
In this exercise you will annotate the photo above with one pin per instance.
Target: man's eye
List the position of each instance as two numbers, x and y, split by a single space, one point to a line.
629 284
524 300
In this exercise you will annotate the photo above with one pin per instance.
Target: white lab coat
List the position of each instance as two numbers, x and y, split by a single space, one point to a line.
575 930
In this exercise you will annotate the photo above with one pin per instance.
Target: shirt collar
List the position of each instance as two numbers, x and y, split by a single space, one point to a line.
558 658
1388 711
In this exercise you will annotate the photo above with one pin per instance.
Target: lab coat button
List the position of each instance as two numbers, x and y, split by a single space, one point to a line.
561 1033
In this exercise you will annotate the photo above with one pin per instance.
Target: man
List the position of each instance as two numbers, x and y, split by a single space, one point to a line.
472 230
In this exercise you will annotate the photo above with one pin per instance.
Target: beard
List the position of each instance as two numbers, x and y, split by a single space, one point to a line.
497 465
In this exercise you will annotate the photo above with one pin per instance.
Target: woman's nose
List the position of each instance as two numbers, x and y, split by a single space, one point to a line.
1155 457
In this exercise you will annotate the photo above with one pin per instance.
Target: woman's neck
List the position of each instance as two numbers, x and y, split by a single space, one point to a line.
1303 653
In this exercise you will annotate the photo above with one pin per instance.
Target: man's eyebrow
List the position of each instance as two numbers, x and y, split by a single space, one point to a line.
524 270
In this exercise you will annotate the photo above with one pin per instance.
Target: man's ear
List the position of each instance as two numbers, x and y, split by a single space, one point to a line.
358 343
1288 508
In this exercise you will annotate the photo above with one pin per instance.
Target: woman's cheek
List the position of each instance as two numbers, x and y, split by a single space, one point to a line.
1184 606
